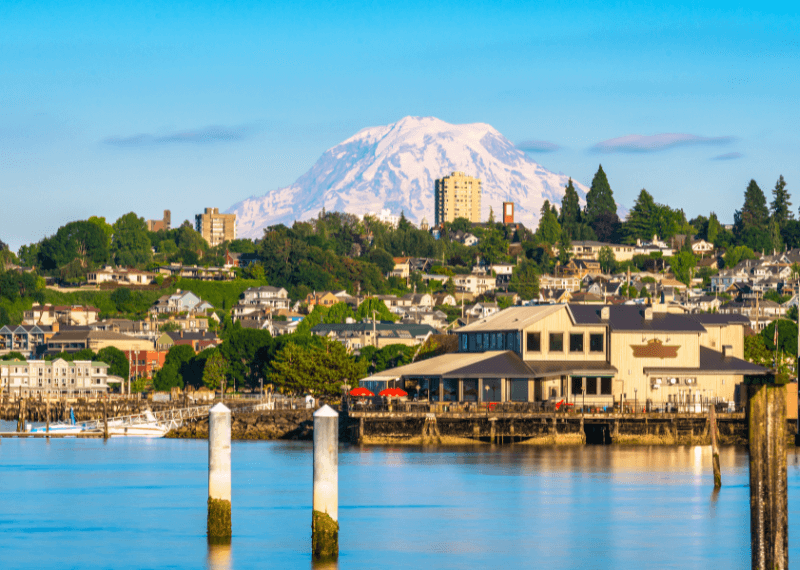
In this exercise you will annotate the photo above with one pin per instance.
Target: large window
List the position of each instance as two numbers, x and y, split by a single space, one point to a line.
591 385
518 389
433 385
605 386
470 389
511 341
576 342
449 390
577 386
596 342
534 342
556 342
464 343
492 390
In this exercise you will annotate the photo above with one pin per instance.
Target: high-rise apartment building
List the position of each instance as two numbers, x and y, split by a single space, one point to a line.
215 228
457 196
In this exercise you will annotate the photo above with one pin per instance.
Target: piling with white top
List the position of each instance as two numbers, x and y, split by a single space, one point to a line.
325 516
219 474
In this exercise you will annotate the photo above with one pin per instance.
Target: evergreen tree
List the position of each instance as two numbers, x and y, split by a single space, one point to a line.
781 206
713 228
600 199
754 211
775 235
641 219
549 230
570 216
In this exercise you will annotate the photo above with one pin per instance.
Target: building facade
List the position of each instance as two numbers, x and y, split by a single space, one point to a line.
216 228
457 196
59 377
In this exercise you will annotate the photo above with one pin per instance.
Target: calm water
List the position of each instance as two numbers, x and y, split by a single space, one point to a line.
133 503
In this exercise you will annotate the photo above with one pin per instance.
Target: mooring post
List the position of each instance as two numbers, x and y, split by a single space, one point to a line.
769 523
712 426
47 414
219 474
492 430
21 415
105 420
360 431
325 515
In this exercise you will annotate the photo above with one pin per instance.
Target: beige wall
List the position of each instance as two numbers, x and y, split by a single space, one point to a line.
457 196
560 322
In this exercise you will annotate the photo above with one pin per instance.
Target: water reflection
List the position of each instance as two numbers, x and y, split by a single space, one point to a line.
327 565
219 557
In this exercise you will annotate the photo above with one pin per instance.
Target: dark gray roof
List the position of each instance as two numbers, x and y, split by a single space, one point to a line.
713 362
504 365
631 318
719 319
546 368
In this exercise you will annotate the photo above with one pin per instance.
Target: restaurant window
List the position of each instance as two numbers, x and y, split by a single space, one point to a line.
576 342
486 341
534 343
591 385
479 342
596 342
500 338
605 386
511 341
433 390
470 387
450 390
577 386
556 342
493 340
492 390
464 342
518 389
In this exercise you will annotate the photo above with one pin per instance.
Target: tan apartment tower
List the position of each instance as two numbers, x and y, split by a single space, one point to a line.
457 196
215 228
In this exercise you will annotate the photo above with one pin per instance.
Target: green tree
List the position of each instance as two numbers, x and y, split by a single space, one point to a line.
83 242
525 280
570 216
118 364
548 231
167 378
382 259
131 245
101 223
787 336
247 351
320 368
338 313
600 199
372 305
683 265
641 220
214 371
713 228
492 246
738 254
775 235
607 259
781 207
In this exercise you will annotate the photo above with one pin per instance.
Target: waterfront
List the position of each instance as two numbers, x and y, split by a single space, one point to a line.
134 503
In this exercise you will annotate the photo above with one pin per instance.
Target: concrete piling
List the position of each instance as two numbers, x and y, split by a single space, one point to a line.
325 515
219 474
769 523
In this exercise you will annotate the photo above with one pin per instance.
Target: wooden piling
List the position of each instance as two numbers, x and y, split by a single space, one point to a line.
105 420
769 523
47 415
712 428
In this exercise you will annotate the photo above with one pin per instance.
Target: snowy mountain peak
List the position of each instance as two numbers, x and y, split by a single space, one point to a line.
395 166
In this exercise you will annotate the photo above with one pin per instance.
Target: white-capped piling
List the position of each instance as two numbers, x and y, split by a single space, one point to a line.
325 515
219 473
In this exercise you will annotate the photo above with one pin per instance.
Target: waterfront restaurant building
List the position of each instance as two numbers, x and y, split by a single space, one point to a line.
592 354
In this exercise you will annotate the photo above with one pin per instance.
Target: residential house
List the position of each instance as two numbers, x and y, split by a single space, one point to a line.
570 283
120 276
74 315
199 341
380 334
180 302
26 339
77 340
402 268
324 298
655 245
590 250
444 299
481 310
145 363
233 259
474 284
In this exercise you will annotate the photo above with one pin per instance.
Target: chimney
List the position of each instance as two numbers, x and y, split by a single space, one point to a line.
54 326
605 313
648 314
181 333
727 350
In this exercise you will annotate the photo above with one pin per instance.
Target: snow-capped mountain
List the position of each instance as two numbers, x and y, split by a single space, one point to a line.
395 167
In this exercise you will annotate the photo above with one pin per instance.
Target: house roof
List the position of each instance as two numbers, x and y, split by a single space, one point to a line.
512 318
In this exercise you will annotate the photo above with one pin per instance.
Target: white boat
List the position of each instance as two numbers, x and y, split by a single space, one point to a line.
59 428
140 425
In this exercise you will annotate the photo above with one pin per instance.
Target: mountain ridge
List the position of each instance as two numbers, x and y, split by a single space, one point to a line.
394 167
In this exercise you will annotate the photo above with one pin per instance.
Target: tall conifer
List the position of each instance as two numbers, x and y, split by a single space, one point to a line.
781 206
570 216
600 199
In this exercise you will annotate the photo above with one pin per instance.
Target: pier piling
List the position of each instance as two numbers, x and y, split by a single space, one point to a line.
219 474
325 515
712 428
769 523
105 421
47 415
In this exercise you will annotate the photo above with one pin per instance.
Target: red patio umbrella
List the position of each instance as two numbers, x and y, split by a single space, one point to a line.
393 393
361 392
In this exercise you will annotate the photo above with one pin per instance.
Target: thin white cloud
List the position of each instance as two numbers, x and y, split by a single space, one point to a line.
203 135
655 143
538 146
728 156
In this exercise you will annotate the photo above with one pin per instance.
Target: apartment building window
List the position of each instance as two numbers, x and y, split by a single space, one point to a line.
556 342
596 342
534 342
576 342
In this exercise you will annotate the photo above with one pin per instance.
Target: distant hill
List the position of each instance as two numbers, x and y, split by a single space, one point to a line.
395 167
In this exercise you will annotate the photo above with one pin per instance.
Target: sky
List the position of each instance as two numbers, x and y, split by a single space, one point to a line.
110 107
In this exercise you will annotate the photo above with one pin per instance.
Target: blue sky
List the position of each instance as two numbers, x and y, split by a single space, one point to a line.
111 107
